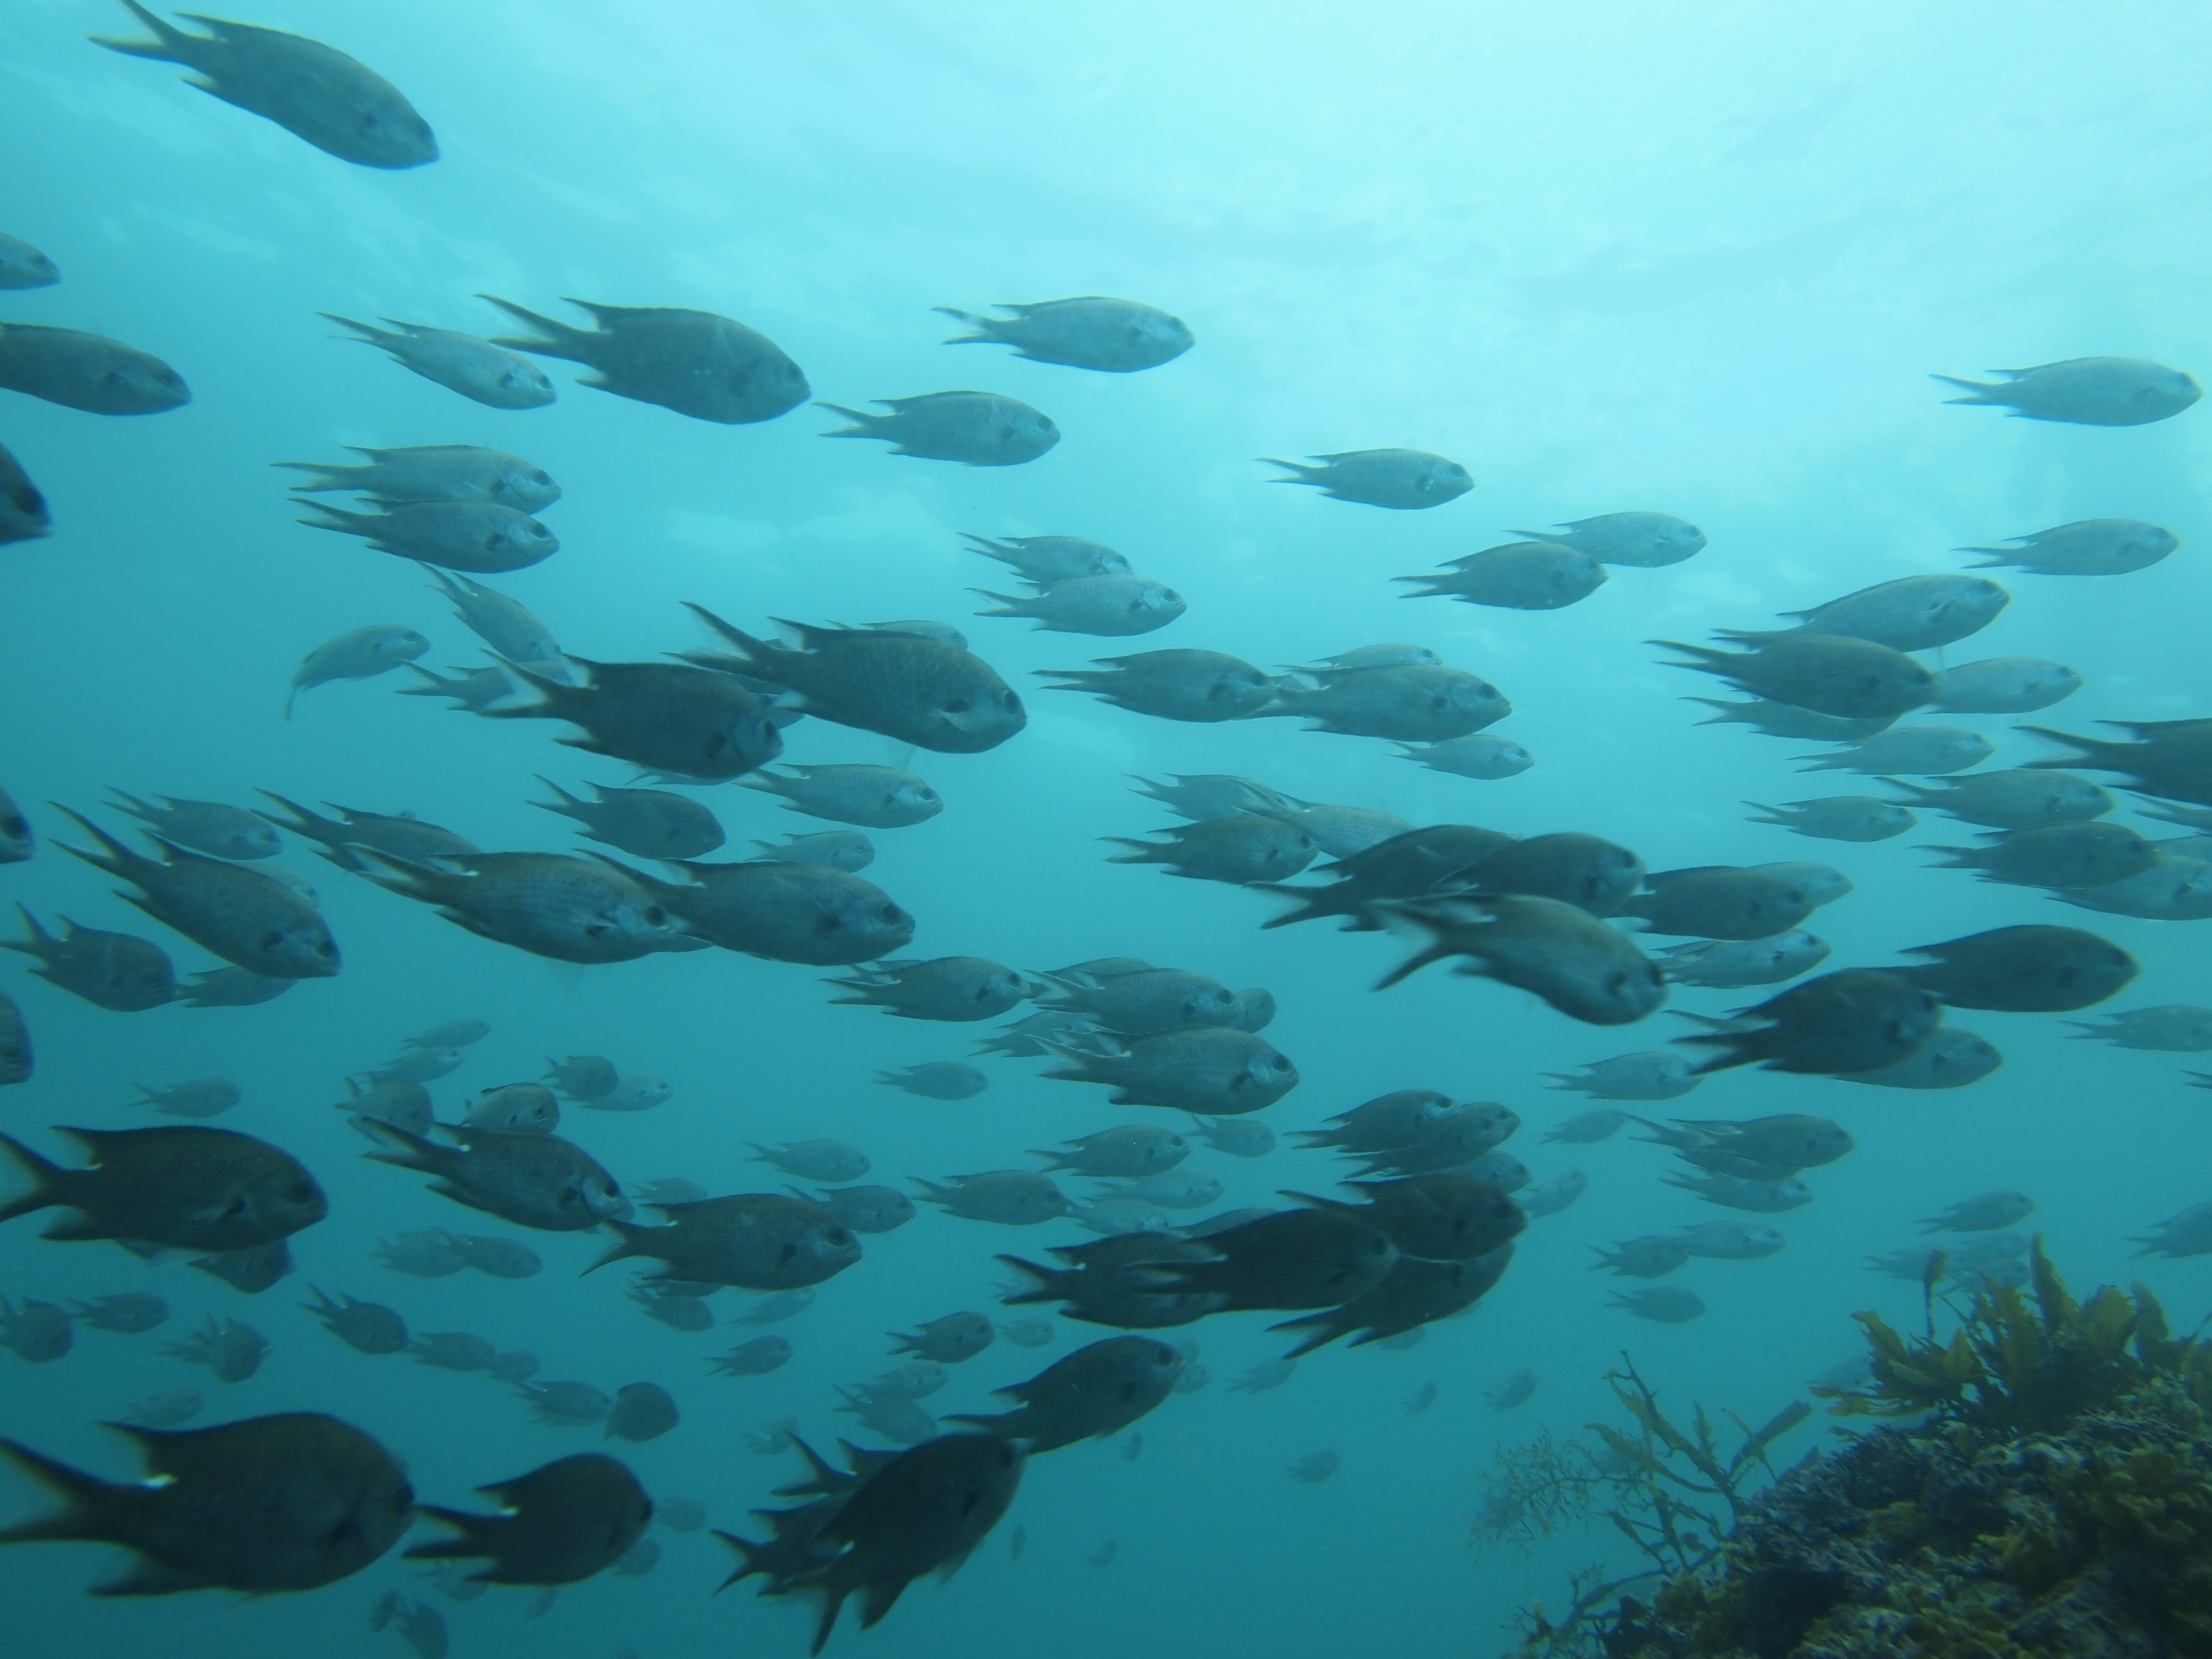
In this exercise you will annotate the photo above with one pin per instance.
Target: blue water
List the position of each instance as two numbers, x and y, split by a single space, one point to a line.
1697 259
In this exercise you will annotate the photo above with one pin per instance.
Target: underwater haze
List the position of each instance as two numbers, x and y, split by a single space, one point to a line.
1698 262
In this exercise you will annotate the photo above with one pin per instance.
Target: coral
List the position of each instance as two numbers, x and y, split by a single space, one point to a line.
2053 1501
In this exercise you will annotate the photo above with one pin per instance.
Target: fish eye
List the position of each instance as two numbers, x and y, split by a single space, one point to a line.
655 916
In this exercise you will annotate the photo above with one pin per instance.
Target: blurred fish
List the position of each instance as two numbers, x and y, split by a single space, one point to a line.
499 1258
1238 851
1719 902
1735 1193
536 1181
1478 755
1732 1241
2004 685
2071 855
939 1079
1514 1390
1172 1190
1012 1198
583 1077
1582 967
1654 1074
1923 749
1210 1070
1092 1394
1401 1118
18 842
1781 720
1952 1058
878 797
1126 1150
770 1310
1146 1001
1539 575
231 987
1409 703
1549 1197
637 1093
847 850
566 1405
436 472
868 1209
1584 1127
979 428
36 1332
672 1308
129 1312
527 1108
2085 392
250 1271
1668 1305
403 1104
1028 1332
2188 1234
1115 337
1913 613
2088 547
1423 1398
365 1326
1844 678
1646 540
1202 686
472 689
1047 559
814 1160
1105 607
23 266
421 1256
167 1411
1856 1020
86 372
1401 479
232 1351
570 909
687 722
946 1341
417 1066
643 1410
948 988
1237 1137
1838 818
2024 800
421 1626
203 1098
1735 964
205 826
1982 1213
2172 1028
2022 969
1652 1256
756 1240
458 1350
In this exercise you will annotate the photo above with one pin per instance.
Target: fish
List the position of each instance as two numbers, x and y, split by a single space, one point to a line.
1092 1394
1913 613
2070 855
642 1411
201 1097
472 689
1952 1058
359 653
232 1351
435 472
651 824
189 1188
205 1518
937 1079
685 722
1925 749
119 972
1401 479
1719 901
756 1240
1837 675
1856 1020
1479 755
1580 966
313 91
1413 1294
814 1160
477 369
1199 687
1048 559
693 363
482 538
2087 547
24 514
907 687
130 1313
559 1524
947 1342
23 266
1648 541
1540 575
1206 1069
367 1327
1011 1198
756 1357
979 428
1411 865
2022 969
875 797
1238 851
2085 392
1666 1304
2170 1028
1105 607
1128 1151
568 910
87 372
36 1332
1653 1075
1838 818
537 1180
1407 702
2004 685
1113 336
1735 963
847 850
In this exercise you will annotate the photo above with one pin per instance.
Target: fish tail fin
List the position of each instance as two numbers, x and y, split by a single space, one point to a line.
86 1500
555 339
1008 606
566 804
554 699
1147 852
755 649
1980 389
1301 472
628 1243
1045 1289
983 334
323 476
47 1174
833 1602
473 1535
366 334
166 46
864 426
336 518
120 861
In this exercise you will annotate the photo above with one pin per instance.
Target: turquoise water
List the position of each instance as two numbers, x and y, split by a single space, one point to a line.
1698 262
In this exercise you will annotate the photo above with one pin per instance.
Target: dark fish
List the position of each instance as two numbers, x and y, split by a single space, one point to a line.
1398 1119
558 1524
1293 1260
1459 1136
947 1342
120 972
244 916
188 1186
570 909
1239 851
911 687
1857 1020
15 1057
982 428
1584 968
1518 576
756 1240
1111 1281
1091 1394
662 717
2087 547
23 514
365 1326
1208 1069
23 266
691 362
647 823
2086 392
1406 703
583 1077
1411 865
129 1312
948 989
2031 969
1115 337
1720 900
1415 1292
289 1502
472 689
1590 874
868 1209
1914 613
212 827
250 1272
2169 759
311 90
2056 855
939 1079
1434 1217
641 1411
1828 674
1781 720
37 1332
803 912
1199 687
532 1180
87 371
232 1351
232 988
1402 479
1838 818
